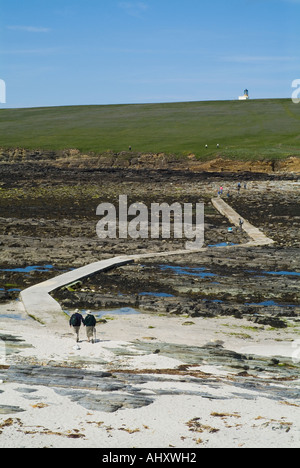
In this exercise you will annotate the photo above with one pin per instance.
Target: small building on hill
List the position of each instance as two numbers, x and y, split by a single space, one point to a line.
245 96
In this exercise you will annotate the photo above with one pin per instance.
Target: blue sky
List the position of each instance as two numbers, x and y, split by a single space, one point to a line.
75 52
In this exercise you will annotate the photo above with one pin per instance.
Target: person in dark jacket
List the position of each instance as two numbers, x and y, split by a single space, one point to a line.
75 321
90 323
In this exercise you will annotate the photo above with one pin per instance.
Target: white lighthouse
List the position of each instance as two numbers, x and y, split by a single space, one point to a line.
245 96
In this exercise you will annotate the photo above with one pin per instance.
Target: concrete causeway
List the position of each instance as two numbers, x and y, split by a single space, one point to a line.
42 307
253 232
37 300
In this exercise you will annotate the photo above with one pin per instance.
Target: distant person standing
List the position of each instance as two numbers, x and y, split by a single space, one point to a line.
239 186
75 321
90 323
241 224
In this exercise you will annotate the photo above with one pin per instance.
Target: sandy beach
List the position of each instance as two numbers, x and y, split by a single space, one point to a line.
209 358
208 405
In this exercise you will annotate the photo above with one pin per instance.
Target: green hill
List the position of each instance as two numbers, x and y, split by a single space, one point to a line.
254 129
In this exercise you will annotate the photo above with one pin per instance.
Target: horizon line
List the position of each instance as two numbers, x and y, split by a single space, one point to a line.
144 103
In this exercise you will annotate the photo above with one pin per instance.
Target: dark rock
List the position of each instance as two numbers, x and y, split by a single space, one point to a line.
274 322
26 390
275 361
113 402
4 409
94 390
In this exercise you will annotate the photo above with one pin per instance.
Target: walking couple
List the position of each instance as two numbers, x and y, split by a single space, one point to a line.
89 322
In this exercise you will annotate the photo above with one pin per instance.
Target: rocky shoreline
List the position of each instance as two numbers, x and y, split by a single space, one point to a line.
74 159
209 357
48 226
207 286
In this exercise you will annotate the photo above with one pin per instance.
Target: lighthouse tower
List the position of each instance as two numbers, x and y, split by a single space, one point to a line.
245 96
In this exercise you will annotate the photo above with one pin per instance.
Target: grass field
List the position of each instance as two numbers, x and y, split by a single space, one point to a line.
257 129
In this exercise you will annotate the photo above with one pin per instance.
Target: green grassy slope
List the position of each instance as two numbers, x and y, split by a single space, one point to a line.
245 130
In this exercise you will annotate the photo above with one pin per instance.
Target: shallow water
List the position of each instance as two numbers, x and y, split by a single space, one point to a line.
102 313
12 316
155 294
222 244
263 274
187 271
29 269
282 273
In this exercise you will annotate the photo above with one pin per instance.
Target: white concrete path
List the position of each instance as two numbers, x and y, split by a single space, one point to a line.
39 304
37 300
253 232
